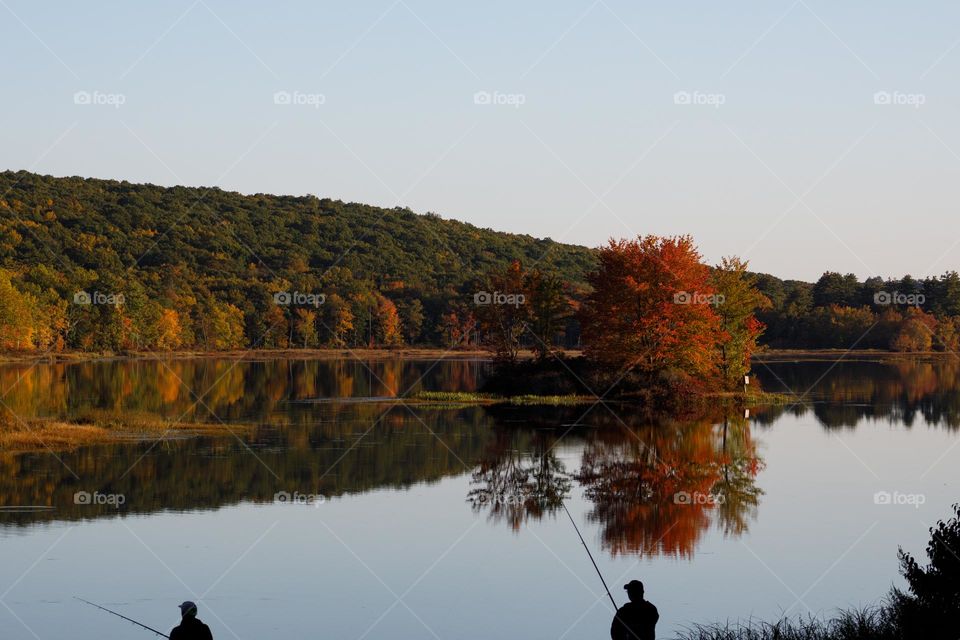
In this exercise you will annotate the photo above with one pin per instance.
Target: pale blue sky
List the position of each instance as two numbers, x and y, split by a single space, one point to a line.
799 170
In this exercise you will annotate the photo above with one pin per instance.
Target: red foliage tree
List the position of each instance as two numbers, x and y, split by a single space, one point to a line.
651 309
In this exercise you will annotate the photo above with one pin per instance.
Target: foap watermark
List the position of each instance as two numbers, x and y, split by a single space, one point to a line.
302 499
698 498
699 98
496 98
899 499
482 298
98 297
299 99
887 298
99 499
99 99
695 297
899 99
298 299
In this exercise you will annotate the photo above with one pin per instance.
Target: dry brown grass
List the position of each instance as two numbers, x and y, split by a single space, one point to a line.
35 434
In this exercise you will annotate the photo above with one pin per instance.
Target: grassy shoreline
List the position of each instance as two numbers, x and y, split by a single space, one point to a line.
522 400
429 353
861 355
755 398
47 434
409 353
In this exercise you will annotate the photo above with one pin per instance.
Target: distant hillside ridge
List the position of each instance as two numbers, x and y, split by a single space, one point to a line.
197 251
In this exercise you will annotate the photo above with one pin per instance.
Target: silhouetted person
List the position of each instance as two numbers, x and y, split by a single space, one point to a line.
190 628
636 620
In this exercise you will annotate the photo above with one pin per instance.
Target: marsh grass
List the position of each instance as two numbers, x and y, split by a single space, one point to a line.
455 396
553 401
462 398
21 435
872 623
755 398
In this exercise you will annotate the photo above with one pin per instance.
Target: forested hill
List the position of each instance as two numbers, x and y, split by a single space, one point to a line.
106 224
195 250
105 265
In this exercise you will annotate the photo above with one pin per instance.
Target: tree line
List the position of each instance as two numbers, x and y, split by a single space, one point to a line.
840 312
101 265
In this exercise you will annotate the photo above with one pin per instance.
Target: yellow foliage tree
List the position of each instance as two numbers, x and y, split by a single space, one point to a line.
169 330
16 317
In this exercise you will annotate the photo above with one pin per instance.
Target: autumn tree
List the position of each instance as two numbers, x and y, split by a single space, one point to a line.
50 322
947 334
650 310
220 325
916 331
456 326
737 301
16 322
304 326
169 330
841 327
502 311
388 326
275 335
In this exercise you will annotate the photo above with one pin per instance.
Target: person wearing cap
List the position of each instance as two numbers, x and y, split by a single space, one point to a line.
190 628
636 620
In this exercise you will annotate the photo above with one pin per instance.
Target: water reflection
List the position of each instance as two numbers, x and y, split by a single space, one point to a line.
843 394
654 488
229 389
659 489
516 481
332 452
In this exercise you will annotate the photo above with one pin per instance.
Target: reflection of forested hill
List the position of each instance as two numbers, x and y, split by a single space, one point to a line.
841 394
296 439
232 390
317 455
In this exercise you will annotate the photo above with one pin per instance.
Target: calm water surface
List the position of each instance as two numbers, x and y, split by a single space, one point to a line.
445 522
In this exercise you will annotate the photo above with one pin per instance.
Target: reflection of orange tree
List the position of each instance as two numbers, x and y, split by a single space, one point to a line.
518 481
657 491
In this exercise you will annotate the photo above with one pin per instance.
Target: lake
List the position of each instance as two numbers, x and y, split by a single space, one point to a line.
333 510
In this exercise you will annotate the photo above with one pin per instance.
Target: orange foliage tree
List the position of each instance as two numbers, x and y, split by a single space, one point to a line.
915 332
389 331
650 310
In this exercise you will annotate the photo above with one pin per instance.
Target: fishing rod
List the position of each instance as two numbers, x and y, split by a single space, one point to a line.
584 543
139 624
